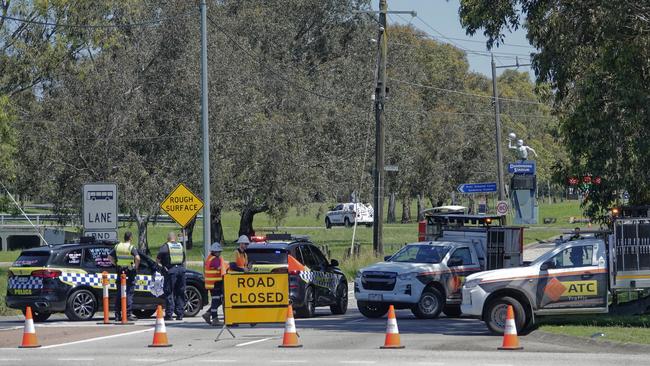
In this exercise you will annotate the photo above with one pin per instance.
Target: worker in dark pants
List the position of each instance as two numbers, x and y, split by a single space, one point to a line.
214 270
127 260
172 258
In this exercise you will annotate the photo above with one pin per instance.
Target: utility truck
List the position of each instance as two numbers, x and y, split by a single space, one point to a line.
579 276
427 276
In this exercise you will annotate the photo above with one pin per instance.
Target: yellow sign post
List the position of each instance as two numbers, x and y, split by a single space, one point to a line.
182 205
255 298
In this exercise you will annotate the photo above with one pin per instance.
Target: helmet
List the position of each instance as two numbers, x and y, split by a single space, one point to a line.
215 247
243 240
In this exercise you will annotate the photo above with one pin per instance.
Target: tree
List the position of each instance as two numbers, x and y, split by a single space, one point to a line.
595 56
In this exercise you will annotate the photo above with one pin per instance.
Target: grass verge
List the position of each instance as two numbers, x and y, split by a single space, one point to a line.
4 310
626 329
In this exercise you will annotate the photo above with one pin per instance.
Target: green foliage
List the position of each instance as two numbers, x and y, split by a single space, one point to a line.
7 140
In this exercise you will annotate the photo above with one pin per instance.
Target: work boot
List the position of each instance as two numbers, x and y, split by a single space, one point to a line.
215 322
206 317
131 318
118 317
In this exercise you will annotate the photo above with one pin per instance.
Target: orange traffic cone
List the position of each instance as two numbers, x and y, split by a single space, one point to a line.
510 339
160 334
29 335
290 339
392 333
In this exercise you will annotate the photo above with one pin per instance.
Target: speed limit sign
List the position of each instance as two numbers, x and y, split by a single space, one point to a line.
502 208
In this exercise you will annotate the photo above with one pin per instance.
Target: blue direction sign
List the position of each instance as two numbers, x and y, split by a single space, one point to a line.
478 187
522 168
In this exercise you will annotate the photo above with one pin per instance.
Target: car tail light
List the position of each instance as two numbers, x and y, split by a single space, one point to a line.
280 270
46 273
294 272
293 287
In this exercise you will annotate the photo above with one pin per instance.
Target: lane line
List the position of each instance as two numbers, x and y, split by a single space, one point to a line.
253 342
75 359
358 362
148 360
98 338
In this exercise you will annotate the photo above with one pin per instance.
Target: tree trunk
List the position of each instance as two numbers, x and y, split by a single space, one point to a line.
420 207
406 210
391 208
216 229
143 223
246 219
189 230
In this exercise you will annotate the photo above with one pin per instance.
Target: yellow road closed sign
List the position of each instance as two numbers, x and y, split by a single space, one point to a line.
255 298
182 205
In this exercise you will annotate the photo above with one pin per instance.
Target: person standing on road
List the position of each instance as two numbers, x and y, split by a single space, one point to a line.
241 258
213 272
127 260
172 257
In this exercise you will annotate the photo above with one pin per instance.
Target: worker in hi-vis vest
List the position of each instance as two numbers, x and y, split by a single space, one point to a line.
171 258
213 271
241 258
127 260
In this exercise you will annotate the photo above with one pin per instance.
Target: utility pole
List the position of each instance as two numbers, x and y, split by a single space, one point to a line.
380 100
497 118
204 123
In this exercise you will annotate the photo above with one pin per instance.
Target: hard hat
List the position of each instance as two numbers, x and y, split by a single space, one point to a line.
243 240
215 247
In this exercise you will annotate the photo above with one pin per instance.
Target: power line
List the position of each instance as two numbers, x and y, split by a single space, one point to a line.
98 26
464 93
430 113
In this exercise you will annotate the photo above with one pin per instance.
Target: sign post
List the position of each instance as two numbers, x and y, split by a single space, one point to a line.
100 214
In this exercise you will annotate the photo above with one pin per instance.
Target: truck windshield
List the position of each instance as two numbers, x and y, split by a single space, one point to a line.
420 254
267 256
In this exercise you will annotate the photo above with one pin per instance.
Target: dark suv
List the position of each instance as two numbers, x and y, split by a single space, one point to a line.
319 283
67 278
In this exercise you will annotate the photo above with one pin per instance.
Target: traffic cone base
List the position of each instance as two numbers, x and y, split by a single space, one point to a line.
392 332
510 339
160 333
290 338
29 334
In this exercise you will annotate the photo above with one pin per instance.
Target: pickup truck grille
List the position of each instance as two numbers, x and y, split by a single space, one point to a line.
380 281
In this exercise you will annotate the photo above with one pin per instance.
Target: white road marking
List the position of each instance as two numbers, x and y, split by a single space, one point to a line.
98 338
355 321
358 362
148 360
289 361
11 328
75 359
213 361
253 342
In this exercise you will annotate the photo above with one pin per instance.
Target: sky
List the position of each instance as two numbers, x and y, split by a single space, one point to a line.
440 19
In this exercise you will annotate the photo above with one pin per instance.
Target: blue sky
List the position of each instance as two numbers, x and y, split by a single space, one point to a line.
439 19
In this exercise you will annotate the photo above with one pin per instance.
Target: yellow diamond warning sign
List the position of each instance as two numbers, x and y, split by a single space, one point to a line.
182 205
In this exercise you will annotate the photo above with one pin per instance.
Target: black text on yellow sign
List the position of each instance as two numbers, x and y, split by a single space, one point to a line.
256 298
182 205
580 288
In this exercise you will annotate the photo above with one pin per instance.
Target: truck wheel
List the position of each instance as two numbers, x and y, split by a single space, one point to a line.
372 309
347 222
430 305
328 223
452 311
495 314
341 305
307 310
81 305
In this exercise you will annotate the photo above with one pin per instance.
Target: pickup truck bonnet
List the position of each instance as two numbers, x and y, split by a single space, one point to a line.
402 267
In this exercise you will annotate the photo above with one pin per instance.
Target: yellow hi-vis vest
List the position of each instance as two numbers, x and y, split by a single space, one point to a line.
211 273
124 256
175 253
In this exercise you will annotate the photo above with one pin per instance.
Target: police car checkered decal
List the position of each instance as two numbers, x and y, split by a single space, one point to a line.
89 279
322 279
25 283
142 282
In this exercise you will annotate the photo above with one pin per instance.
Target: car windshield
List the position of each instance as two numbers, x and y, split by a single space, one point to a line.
420 254
32 259
267 256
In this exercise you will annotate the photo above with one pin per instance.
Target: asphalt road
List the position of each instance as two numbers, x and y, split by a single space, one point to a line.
327 340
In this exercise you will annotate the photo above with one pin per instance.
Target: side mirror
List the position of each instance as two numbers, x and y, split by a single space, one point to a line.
334 263
547 265
386 258
455 262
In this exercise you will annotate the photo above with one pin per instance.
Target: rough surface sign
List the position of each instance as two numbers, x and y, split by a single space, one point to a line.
182 205
255 298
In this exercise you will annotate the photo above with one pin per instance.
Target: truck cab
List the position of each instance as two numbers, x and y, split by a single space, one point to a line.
577 277
427 276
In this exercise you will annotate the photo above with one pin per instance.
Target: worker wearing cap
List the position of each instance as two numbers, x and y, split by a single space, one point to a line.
171 258
214 269
127 260
241 258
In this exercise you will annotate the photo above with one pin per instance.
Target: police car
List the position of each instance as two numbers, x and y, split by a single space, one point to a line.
313 281
67 278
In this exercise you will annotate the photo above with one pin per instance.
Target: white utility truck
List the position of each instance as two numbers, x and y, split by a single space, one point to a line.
580 276
427 276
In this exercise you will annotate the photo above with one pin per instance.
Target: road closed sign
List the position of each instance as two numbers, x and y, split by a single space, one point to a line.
182 205
255 298
99 206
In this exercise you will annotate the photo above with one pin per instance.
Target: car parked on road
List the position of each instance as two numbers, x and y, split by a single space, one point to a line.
67 278
347 214
313 280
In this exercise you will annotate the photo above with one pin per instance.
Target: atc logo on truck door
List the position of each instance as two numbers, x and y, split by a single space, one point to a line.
556 289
